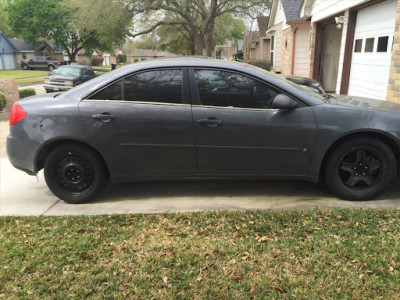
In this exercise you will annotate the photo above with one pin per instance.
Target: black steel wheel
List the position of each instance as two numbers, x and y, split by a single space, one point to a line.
74 173
360 169
25 67
50 68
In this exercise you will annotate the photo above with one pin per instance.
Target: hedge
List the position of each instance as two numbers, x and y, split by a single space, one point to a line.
26 93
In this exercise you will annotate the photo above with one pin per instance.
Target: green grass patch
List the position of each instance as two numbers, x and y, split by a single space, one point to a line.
24 77
330 254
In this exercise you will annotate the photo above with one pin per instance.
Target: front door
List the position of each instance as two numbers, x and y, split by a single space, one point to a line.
238 133
142 126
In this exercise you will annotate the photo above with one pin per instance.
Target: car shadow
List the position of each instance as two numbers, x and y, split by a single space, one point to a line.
295 190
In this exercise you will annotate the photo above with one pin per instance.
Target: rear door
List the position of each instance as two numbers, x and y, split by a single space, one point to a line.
142 124
237 132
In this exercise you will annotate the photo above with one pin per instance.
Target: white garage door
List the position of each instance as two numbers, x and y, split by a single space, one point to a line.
372 52
7 62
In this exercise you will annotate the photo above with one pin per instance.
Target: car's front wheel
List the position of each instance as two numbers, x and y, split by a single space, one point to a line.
25 67
75 173
360 169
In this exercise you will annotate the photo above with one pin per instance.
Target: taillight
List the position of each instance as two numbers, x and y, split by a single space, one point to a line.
17 114
58 63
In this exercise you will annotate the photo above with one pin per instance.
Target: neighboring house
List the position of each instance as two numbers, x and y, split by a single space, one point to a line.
225 51
361 57
29 50
147 54
108 58
290 38
8 59
257 43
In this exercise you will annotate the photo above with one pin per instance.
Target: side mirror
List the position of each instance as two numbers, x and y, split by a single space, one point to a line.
284 102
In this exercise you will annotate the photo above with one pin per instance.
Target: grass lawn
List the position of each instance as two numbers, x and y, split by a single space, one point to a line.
330 254
23 77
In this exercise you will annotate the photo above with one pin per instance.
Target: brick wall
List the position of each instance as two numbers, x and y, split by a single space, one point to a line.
9 88
393 93
287 46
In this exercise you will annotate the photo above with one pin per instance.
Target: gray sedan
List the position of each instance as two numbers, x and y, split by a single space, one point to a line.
191 118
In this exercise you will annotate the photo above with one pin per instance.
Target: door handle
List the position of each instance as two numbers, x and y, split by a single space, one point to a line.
104 117
210 122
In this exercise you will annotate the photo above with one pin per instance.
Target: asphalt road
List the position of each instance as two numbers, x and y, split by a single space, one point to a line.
21 194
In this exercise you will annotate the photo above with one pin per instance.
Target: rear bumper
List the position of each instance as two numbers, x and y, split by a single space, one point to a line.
20 155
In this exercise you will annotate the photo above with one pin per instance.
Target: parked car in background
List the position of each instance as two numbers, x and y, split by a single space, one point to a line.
66 77
187 118
40 62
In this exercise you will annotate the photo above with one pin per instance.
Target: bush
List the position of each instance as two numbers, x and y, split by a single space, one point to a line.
261 63
121 58
3 101
26 93
136 60
97 60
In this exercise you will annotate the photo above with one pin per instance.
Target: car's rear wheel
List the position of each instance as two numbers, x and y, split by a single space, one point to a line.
360 169
75 173
51 68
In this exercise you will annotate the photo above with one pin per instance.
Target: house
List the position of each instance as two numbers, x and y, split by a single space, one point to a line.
355 46
8 60
257 43
40 48
108 58
289 34
147 54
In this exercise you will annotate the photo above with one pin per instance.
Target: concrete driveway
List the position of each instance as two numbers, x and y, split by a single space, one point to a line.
21 194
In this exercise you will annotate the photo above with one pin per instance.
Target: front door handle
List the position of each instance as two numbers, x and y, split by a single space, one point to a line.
104 117
210 122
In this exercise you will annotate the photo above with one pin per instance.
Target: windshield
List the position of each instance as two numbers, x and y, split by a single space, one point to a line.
68 71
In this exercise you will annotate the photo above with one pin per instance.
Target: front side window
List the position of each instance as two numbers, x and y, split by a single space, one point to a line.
111 92
227 89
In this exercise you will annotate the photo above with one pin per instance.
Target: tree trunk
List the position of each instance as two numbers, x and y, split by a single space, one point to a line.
198 44
209 39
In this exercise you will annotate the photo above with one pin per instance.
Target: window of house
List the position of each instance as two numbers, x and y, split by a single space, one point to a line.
155 86
369 45
358 45
227 89
383 44
272 50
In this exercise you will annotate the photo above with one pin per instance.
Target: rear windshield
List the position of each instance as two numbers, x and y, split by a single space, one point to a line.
68 71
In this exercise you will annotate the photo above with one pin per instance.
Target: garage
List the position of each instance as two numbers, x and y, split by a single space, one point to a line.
372 50
7 61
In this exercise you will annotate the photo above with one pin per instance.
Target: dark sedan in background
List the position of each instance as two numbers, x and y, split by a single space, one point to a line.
179 119
66 77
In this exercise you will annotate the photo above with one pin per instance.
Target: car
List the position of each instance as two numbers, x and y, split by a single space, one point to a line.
41 62
192 118
313 85
66 77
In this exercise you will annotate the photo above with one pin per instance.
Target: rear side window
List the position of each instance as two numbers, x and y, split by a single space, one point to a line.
163 86
228 89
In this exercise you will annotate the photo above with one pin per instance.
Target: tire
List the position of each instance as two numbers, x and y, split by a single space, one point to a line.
25 67
75 173
50 67
360 169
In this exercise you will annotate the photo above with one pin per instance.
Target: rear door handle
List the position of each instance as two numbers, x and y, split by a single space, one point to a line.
210 122
104 117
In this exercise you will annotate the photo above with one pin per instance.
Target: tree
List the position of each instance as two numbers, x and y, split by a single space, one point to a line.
3 20
194 19
63 22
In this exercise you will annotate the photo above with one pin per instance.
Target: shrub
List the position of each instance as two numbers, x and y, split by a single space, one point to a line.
26 93
136 60
261 63
3 101
121 58
96 61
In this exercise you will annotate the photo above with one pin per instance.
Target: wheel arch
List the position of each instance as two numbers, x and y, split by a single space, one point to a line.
48 147
377 135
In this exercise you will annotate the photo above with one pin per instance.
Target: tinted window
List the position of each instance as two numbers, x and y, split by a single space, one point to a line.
358 45
383 43
222 88
112 92
155 86
369 45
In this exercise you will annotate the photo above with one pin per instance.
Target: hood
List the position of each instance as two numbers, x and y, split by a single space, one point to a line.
61 77
367 103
